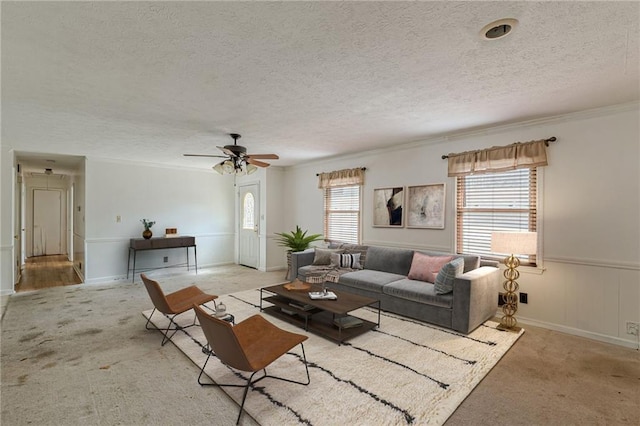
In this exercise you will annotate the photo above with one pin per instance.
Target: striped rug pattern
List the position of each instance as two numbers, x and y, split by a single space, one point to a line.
406 372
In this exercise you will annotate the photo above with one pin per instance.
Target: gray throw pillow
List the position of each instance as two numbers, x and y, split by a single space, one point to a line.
323 256
447 274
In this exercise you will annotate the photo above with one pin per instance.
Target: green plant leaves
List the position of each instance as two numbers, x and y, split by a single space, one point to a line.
297 240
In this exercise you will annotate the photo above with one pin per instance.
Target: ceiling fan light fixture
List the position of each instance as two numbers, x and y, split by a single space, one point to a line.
238 161
218 168
228 167
251 169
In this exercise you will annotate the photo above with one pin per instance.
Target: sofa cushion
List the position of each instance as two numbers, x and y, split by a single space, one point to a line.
447 275
368 280
418 291
346 260
389 259
323 256
425 267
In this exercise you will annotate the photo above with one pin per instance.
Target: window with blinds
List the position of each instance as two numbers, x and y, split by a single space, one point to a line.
342 214
505 201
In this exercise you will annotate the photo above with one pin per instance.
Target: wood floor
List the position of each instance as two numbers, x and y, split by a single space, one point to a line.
47 271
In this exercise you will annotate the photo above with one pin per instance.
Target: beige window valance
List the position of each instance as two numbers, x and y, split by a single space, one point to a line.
499 158
341 178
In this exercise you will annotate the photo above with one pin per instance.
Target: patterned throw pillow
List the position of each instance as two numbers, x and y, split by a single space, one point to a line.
350 261
352 249
447 274
323 256
425 267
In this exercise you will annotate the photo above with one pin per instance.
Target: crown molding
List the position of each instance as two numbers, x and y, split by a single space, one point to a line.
478 131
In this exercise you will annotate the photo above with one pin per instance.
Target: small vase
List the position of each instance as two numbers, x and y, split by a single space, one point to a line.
146 234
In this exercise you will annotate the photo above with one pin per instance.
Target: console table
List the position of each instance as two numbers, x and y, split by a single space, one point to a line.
158 243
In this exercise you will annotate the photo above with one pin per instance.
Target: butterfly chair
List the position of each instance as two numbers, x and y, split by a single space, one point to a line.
173 304
251 346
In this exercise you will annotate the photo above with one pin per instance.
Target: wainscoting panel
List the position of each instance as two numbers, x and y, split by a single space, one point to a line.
594 301
107 257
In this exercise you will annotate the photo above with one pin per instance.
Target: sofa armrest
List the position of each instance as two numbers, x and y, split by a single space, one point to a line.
487 262
475 298
300 259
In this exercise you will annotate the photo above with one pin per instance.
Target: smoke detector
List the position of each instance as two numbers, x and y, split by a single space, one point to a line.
498 29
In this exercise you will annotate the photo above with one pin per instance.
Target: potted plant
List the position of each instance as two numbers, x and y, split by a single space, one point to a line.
297 240
146 234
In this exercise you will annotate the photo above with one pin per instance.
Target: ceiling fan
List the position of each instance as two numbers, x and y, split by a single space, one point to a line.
237 160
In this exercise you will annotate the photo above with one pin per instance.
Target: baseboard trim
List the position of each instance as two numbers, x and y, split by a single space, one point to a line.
577 332
80 274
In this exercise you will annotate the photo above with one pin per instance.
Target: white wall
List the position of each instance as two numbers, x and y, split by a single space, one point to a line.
198 203
78 181
590 221
275 208
7 174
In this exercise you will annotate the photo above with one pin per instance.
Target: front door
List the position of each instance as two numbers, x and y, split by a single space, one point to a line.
47 222
249 210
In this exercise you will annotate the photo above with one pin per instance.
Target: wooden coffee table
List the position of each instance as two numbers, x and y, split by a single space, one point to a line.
317 315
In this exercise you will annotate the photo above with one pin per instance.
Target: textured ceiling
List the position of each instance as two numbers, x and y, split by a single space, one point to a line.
305 80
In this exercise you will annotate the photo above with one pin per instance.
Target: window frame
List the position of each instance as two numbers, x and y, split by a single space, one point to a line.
533 212
326 192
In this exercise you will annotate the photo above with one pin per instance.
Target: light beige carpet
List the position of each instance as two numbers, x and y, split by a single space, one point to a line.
407 372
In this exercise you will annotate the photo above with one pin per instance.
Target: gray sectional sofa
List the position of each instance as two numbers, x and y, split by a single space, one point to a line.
384 276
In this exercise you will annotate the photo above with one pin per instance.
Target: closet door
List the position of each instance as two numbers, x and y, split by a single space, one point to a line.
47 222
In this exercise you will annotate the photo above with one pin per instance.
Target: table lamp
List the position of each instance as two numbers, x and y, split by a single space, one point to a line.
520 243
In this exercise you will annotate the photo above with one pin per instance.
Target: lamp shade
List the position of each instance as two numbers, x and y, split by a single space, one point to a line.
514 242
251 169
218 168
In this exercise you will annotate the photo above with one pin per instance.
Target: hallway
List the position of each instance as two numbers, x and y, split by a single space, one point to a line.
47 271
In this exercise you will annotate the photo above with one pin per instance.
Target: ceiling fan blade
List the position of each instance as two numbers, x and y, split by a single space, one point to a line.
257 163
264 156
227 151
204 155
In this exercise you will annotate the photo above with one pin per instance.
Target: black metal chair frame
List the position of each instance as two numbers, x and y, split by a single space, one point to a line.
250 381
165 332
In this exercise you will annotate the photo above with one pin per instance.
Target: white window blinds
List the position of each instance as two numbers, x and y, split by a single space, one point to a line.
342 213
504 201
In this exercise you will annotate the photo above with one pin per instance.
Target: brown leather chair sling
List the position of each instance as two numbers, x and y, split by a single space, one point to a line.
173 304
251 346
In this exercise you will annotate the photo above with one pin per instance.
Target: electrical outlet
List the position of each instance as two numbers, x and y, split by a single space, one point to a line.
166 259
633 328
500 299
524 298
118 219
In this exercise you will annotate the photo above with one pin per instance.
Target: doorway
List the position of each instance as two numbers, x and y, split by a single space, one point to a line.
249 211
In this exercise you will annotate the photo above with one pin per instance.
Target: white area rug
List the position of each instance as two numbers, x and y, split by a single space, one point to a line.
406 372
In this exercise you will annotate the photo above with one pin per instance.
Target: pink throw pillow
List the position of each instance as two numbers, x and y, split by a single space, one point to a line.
426 268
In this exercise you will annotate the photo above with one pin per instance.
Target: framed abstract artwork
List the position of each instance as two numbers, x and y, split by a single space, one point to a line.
387 207
425 206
